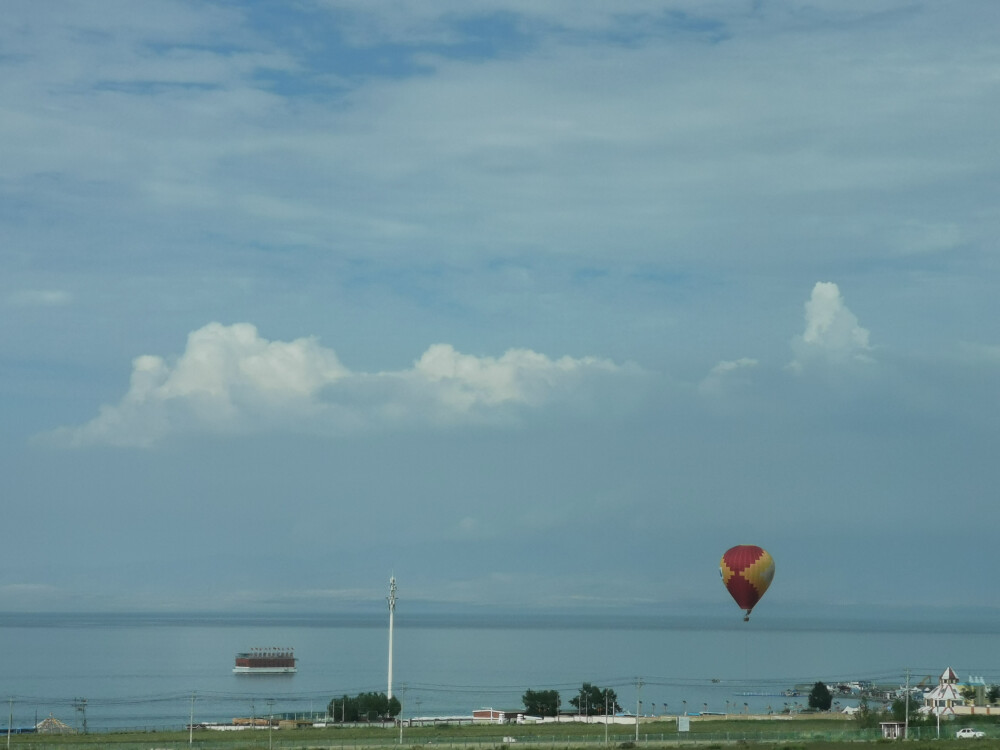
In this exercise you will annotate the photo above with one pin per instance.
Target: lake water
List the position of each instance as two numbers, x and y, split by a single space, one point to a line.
143 670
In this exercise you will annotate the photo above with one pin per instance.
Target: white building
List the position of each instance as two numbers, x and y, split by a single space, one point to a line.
943 699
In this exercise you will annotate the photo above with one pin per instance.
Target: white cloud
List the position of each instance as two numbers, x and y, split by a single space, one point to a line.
832 334
28 597
979 354
40 298
29 589
412 21
725 373
727 366
231 380
519 376
925 238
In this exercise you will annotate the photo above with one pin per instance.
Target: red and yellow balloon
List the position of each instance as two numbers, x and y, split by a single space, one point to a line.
747 571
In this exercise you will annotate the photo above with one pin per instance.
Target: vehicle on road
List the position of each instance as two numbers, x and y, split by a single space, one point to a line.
968 733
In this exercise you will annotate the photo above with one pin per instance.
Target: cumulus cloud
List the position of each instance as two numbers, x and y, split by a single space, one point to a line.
832 334
231 380
520 376
727 366
725 374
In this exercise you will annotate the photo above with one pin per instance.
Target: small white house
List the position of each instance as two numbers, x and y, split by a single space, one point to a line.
893 730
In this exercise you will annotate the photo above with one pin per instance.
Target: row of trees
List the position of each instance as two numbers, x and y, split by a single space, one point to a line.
590 700
364 707
870 717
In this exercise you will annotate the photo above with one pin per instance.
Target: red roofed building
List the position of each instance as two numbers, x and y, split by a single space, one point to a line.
495 716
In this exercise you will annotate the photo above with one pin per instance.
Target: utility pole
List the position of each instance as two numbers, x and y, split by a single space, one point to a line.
401 716
605 717
270 721
392 613
191 723
906 707
10 720
638 705
81 705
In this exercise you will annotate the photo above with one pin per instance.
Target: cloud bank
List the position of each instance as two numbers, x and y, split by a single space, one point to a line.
230 380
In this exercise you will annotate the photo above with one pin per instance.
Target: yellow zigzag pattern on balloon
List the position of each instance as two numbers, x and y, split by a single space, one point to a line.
727 572
760 573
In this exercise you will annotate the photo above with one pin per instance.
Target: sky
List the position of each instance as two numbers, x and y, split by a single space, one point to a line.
538 306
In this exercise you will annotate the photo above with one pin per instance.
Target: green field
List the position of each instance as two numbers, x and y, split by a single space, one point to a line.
802 733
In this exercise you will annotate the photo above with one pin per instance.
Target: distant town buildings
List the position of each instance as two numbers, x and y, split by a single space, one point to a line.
947 698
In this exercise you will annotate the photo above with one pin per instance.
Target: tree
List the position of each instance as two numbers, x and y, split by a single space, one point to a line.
541 702
820 698
866 716
993 694
898 709
364 707
610 699
591 700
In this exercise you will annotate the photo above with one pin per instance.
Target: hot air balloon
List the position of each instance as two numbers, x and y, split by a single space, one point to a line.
747 571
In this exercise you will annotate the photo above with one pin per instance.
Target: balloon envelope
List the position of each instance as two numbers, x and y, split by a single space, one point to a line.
747 571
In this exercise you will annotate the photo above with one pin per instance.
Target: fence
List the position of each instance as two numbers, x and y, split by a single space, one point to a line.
298 740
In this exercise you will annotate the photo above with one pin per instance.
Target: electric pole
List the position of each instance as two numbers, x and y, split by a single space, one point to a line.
270 721
906 710
81 706
638 705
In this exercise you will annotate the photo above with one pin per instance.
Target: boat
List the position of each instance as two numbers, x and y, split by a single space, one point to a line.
265 661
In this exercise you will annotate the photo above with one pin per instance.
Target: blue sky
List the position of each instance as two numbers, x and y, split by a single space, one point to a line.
538 304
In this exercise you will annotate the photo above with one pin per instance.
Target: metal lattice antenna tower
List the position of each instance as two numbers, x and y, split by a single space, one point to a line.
392 613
